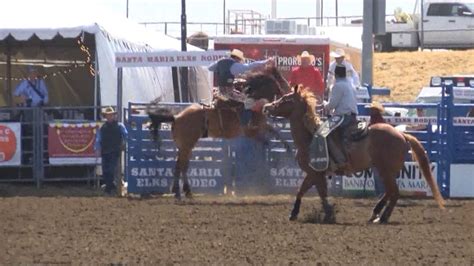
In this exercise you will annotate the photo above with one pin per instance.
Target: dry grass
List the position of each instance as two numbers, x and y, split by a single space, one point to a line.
405 73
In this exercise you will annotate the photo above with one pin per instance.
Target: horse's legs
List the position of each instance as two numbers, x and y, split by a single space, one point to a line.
305 186
312 178
392 193
181 168
184 171
378 208
322 187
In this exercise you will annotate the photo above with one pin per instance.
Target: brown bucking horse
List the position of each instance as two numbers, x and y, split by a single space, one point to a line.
223 121
384 148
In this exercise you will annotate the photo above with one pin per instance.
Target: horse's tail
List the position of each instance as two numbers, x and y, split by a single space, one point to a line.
157 117
419 154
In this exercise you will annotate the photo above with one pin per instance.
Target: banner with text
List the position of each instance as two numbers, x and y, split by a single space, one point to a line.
168 59
10 144
457 121
72 143
410 181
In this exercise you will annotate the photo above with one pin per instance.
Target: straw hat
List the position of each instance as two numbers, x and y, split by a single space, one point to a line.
109 110
305 54
338 53
376 106
237 53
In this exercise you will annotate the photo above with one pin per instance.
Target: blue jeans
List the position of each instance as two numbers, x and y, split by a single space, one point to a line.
109 168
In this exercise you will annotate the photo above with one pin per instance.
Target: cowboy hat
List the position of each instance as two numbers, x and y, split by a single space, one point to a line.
338 53
32 69
376 106
305 54
109 110
237 53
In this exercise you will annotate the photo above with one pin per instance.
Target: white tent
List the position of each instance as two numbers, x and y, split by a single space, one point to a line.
51 41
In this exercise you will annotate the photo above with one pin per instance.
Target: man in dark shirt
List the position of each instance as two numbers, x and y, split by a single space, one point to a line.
110 139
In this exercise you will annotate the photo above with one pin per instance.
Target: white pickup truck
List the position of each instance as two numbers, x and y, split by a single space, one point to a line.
445 24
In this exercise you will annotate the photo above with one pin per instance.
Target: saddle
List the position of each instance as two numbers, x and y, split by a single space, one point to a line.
319 151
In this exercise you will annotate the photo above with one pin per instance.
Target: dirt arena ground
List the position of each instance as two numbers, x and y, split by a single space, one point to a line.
64 226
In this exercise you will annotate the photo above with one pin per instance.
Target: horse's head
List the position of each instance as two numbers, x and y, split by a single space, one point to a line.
264 85
298 104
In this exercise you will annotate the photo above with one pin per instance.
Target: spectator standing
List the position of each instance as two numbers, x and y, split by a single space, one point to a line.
109 143
308 75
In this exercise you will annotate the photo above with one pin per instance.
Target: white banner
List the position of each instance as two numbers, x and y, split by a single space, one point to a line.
410 180
10 144
457 121
168 59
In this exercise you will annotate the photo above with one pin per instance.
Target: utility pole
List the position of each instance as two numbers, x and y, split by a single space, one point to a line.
184 70
367 42
337 13
126 14
223 16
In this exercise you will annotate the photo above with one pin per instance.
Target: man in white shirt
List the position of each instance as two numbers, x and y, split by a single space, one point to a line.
342 102
339 59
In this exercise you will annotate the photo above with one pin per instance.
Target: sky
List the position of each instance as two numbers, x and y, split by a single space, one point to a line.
197 10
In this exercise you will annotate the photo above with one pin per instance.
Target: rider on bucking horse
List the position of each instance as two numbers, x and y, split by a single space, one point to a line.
342 102
227 70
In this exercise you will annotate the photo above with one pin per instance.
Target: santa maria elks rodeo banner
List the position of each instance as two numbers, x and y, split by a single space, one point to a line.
10 144
72 143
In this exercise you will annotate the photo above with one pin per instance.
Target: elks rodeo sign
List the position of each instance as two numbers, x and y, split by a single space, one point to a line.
10 144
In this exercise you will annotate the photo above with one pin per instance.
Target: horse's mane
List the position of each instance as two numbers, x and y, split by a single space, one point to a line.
311 117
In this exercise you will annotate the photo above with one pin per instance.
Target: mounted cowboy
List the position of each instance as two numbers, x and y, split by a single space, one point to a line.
227 70
342 102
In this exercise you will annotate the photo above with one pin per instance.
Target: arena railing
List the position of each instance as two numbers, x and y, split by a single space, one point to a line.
36 157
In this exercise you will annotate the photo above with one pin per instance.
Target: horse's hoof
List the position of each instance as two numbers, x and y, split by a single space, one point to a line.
379 220
188 195
293 217
372 219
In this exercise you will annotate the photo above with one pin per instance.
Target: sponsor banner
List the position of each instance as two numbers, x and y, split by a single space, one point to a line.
10 144
157 177
457 121
72 143
286 55
168 59
410 181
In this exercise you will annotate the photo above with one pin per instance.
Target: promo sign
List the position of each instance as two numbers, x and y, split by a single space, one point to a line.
410 181
10 144
285 51
72 143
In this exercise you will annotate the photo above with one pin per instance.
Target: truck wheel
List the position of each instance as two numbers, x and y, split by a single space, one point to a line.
379 45
382 43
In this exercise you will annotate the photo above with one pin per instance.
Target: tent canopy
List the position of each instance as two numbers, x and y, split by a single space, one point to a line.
52 42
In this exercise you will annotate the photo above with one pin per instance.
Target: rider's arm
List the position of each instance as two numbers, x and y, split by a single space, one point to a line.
213 66
335 98
239 68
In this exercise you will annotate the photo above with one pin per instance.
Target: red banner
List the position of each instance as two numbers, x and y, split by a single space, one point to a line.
286 55
10 144
72 143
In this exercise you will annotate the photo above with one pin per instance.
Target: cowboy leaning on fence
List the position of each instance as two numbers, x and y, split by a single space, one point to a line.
110 140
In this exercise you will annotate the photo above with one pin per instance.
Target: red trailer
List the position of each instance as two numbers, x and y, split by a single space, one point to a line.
284 48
